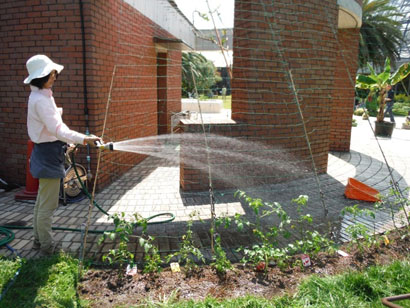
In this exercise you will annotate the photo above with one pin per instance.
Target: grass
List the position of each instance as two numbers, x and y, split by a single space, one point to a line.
52 282
7 270
227 101
351 289
45 282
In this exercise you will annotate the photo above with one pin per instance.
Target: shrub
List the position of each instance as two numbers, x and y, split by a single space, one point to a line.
358 111
402 105
354 123
401 109
402 98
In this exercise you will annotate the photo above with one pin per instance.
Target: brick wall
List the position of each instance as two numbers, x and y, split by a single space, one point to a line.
123 37
116 36
29 28
169 89
277 46
196 165
343 92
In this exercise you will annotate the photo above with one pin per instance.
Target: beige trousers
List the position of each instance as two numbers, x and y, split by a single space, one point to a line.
46 204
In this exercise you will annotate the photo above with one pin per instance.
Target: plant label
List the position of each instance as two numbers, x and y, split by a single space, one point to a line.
342 253
132 270
175 267
386 240
306 261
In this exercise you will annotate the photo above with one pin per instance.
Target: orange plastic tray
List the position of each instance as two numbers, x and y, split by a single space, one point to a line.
358 191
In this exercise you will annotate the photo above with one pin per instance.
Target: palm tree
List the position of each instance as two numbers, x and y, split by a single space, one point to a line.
380 34
197 66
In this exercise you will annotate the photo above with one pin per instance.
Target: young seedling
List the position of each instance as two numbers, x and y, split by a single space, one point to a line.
152 258
188 252
358 232
220 263
311 242
123 231
267 251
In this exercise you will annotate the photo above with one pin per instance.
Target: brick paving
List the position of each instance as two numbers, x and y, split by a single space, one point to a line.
152 187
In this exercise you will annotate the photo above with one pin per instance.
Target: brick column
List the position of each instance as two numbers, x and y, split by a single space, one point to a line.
271 41
343 93
284 54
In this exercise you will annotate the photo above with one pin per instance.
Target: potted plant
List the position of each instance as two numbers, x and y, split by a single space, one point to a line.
378 84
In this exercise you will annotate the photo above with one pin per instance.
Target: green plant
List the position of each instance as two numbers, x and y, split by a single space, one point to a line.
41 282
123 230
401 109
8 270
378 83
402 105
195 65
380 34
267 251
359 111
188 251
396 200
220 263
263 255
354 123
53 282
263 209
152 258
310 242
372 105
402 98
358 232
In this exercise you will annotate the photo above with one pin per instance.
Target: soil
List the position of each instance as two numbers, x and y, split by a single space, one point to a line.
104 288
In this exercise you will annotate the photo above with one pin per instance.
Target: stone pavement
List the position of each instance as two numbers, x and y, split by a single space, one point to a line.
152 187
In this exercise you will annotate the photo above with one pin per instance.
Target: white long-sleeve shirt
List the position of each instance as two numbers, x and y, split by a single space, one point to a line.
44 122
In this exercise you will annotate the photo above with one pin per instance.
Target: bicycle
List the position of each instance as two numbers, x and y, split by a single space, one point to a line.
70 185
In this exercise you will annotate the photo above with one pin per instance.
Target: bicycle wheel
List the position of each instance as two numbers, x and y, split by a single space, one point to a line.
72 186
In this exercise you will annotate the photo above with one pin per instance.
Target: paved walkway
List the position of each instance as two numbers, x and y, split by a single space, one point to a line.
152 187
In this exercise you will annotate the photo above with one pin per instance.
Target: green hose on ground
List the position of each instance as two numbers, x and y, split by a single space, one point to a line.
9 235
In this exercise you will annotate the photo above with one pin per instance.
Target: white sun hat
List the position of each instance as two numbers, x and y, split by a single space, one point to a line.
40 66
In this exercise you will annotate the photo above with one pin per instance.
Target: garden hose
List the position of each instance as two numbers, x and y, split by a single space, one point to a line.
9 235
85 190
13 280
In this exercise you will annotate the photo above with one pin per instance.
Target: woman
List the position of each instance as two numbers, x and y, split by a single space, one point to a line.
49 135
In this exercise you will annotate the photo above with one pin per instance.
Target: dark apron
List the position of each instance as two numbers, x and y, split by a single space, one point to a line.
47 160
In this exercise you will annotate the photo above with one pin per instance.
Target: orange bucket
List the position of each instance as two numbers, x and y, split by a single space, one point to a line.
358 191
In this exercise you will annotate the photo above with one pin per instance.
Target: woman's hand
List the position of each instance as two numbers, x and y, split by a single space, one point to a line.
92 140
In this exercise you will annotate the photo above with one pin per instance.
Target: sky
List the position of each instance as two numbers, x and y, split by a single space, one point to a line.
224 7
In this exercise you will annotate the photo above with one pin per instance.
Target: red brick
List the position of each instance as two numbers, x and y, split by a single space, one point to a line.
262 83
54 29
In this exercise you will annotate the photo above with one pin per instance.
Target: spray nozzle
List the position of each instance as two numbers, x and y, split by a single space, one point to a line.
105 146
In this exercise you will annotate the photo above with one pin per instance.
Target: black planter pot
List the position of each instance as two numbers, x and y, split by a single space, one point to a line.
384 129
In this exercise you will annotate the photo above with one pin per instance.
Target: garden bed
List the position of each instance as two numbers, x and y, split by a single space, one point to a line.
104 288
